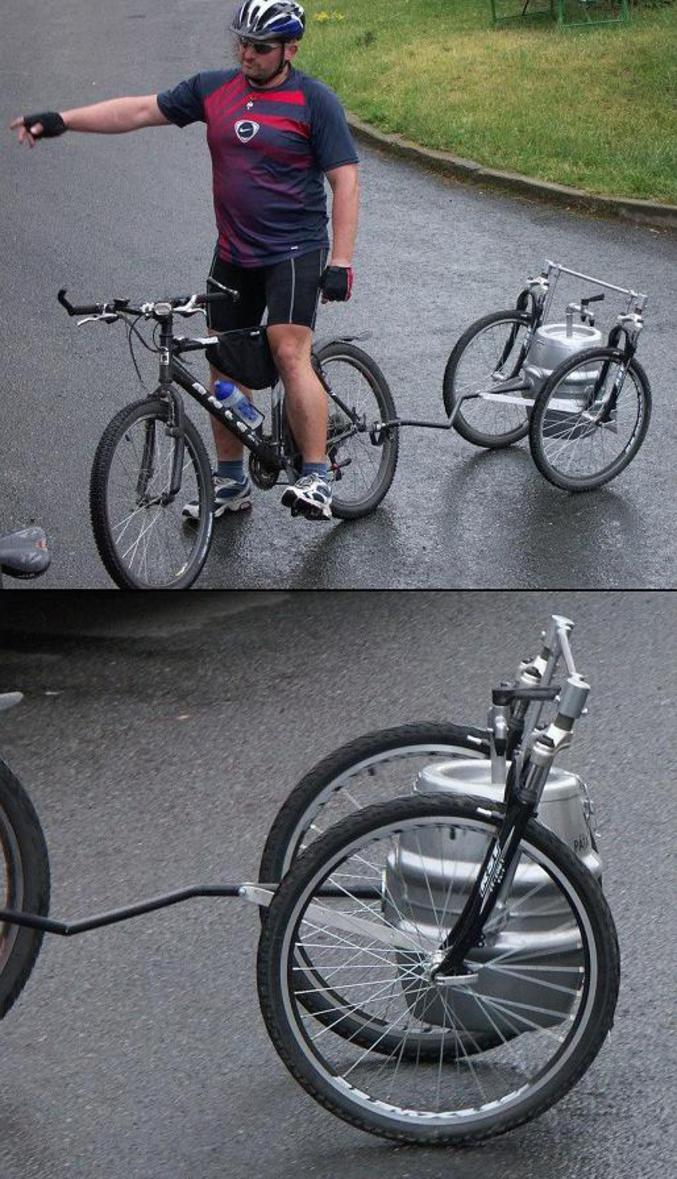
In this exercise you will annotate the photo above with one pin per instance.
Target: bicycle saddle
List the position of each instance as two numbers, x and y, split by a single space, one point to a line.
24 553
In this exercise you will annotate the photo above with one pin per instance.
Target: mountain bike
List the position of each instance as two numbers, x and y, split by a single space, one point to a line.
585 403
151 459
437 968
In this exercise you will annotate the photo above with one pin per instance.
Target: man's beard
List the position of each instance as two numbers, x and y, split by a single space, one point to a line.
262 81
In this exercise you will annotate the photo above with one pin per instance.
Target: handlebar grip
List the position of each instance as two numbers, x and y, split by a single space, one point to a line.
216 296
93 309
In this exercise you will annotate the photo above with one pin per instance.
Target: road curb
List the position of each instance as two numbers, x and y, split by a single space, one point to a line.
646 213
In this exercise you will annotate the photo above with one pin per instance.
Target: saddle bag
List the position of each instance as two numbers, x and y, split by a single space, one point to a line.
244 355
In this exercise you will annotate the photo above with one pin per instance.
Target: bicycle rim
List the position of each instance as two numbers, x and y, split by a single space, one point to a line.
487 359
576 444
144 542
544 991
375 768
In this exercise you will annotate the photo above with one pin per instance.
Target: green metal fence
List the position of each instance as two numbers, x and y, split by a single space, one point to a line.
567 13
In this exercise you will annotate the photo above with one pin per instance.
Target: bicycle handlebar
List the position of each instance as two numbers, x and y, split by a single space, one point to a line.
162 309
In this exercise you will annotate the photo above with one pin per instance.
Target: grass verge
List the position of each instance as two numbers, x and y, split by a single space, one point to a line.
595 108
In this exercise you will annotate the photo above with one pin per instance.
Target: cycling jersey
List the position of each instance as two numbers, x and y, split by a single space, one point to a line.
270 148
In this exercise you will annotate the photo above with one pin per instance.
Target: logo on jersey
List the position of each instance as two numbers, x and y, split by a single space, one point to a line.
246 129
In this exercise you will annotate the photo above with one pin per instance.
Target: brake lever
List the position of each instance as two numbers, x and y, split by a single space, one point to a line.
190 307
108 316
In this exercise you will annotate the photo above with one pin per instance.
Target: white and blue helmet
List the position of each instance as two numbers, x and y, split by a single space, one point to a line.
269 20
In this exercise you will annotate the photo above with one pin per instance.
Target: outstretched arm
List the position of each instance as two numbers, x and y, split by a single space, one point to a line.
108 118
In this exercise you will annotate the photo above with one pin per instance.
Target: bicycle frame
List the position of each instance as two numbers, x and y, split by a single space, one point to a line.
271 454
172 371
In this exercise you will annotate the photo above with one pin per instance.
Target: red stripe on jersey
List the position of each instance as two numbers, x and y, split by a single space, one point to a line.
230 93
295 96
282 124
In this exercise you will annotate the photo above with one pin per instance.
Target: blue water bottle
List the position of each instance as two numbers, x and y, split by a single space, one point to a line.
231 398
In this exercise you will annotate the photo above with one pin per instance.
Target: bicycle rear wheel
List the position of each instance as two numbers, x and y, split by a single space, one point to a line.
584 431
359 396
489 355
24 885
141 536
376 896
374 767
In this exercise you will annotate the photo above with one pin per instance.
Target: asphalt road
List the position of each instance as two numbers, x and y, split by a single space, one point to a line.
157 746
131 215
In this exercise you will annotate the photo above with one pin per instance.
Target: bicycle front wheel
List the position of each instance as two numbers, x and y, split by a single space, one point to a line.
377 896
140 533
487 363
590 419
362 469
24 885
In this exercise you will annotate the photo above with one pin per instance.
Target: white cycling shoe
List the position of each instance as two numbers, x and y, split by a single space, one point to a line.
229 496
310 496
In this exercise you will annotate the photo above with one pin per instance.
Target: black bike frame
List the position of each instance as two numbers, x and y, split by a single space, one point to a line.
171 370
270 454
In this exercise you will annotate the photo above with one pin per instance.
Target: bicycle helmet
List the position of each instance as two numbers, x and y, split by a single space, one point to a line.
266 20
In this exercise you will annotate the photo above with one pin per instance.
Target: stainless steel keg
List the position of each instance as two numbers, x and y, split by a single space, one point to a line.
554 343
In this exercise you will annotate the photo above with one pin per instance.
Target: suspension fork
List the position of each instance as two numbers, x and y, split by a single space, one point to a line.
523 792
175 429
534 313
628 353
176 424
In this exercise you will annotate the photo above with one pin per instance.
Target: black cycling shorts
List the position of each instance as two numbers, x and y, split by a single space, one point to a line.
289 290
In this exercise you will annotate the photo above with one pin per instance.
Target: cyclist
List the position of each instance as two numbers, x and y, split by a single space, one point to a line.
273 133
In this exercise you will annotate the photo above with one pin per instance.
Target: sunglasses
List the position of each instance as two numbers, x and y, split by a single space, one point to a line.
258 46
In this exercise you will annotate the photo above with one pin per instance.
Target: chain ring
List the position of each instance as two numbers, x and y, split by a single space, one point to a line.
261 474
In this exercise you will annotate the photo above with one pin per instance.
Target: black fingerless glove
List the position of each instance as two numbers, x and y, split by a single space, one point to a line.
336 284
52 124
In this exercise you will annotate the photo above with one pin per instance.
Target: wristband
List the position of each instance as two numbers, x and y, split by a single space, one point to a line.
52 124
336 284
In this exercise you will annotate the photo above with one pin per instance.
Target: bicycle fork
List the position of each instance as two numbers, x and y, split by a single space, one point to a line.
524 789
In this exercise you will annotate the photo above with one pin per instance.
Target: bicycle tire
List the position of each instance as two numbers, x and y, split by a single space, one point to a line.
331 786
363 470
27 885
182 555
455 382
559 438
542 1064
335 775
